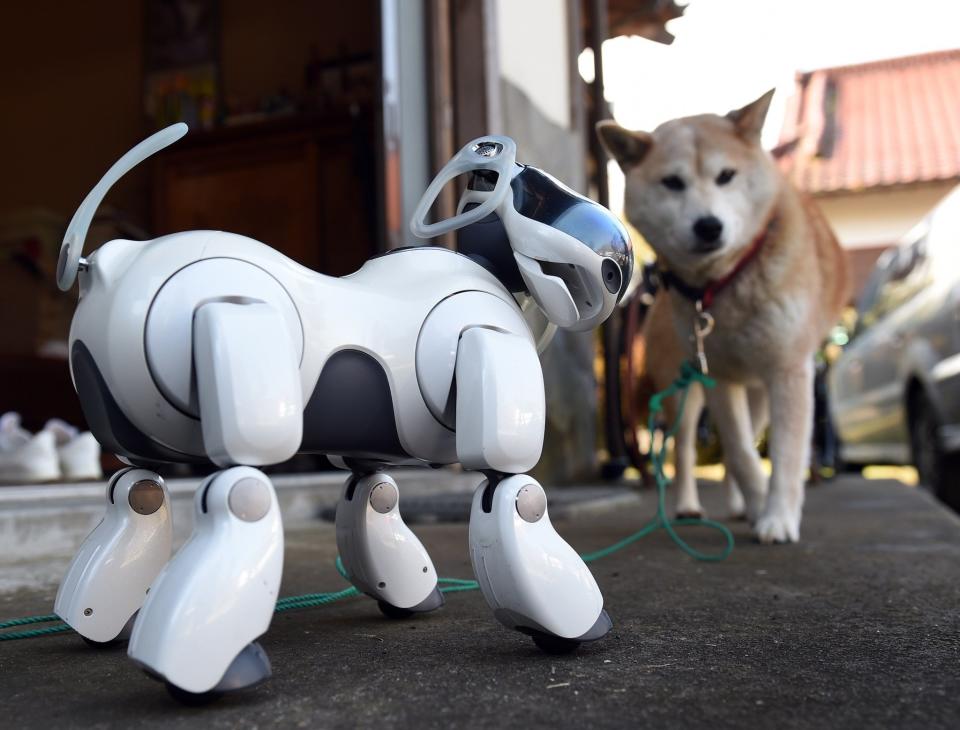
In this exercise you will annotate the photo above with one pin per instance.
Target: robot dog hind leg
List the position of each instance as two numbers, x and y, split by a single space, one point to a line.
382 557
108 579
198 627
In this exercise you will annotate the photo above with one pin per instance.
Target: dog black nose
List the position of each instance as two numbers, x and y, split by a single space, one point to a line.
708 228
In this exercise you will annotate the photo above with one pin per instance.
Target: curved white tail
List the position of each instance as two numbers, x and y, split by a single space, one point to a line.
72 246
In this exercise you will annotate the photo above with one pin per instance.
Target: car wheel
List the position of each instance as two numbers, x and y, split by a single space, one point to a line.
936 469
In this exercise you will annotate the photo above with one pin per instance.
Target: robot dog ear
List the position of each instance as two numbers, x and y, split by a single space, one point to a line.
627 147
494 153
749 120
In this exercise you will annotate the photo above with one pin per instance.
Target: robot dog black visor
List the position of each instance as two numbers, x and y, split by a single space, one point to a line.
544 199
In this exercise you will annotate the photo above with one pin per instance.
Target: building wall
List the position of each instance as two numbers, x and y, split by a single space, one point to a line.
265 45
533 49
538 109
70 81
536 103
868 222
71 86
881 218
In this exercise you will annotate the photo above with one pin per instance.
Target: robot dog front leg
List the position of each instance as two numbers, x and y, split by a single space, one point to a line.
532 579
382 557
198 627
107 581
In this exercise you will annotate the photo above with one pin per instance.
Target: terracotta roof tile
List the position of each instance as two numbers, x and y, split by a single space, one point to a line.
879 124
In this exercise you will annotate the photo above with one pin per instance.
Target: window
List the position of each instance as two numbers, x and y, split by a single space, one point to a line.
900 274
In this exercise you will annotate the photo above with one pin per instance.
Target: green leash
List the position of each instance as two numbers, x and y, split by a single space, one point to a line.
689 375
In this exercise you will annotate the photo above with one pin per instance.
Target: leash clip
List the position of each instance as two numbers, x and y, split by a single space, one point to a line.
702 327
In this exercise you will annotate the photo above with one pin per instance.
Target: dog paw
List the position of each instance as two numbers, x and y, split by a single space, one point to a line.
737 510
690 509
736 506
777 527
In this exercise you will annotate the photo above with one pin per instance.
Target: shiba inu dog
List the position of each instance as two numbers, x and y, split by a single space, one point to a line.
739 246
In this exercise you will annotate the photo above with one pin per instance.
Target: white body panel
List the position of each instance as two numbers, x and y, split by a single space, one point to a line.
250 415
217 594
108 579
382 557
440 340
335 313
169 330
501 412
529 575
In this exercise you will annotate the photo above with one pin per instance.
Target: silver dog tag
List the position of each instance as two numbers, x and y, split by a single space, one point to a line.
702 327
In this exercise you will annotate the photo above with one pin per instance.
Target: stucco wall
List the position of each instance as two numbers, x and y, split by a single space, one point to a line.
867 219
537 110
868 222
532 40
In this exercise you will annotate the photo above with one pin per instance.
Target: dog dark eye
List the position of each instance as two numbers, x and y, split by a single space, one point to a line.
725 176
674 182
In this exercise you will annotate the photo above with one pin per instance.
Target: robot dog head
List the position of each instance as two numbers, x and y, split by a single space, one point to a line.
574 256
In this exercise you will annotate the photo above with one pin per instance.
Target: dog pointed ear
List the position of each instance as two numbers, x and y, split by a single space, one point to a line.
627 147
749 119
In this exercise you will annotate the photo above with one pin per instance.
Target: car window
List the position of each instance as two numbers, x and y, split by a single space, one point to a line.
909 275
899 275
867 310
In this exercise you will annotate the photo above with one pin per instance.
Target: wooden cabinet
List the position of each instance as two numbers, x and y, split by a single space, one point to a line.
304 187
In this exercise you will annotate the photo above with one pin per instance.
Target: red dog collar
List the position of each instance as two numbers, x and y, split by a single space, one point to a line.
706 295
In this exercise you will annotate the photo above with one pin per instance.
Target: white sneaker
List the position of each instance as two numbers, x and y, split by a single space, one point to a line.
78 453
26 457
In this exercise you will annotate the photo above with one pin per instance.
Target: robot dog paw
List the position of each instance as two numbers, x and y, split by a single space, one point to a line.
431 603
122 638
192 699
557 645
554 645
250 668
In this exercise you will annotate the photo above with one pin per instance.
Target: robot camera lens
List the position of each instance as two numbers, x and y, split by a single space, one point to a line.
612 277
488 149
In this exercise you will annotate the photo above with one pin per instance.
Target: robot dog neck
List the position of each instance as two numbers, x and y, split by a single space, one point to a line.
486 243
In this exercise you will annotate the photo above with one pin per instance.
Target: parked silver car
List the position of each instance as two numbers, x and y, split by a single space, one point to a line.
895 390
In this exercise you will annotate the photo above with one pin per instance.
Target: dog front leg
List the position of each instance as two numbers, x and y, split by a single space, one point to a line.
791 412
759 419
685 453
730 411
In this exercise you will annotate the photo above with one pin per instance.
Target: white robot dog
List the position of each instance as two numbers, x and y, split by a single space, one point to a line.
206 346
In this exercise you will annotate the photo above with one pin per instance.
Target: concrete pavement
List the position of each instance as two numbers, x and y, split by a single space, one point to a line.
857 626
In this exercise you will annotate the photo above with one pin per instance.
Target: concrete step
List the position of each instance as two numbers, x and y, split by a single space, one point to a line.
41 526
